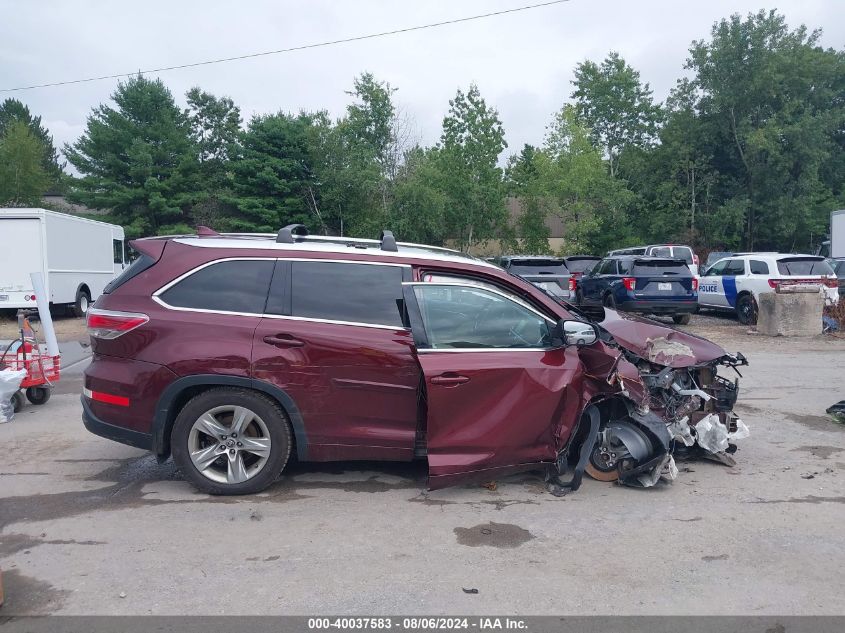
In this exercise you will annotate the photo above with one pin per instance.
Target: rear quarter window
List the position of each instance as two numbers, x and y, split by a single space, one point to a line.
797 266
232 286
758 268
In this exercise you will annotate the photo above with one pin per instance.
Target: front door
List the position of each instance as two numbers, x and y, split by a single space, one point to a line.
711 292
500 397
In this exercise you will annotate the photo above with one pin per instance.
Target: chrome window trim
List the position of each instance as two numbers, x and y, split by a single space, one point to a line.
492 289
155 296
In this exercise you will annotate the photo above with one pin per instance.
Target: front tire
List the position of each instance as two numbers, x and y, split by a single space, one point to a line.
746 310
682 319
82 303
231 441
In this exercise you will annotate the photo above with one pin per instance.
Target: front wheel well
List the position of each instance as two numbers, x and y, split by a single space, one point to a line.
175 397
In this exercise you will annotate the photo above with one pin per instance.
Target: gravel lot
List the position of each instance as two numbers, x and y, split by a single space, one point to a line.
88 526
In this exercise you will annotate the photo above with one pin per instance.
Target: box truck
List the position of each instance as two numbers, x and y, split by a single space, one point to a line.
77 257
835 246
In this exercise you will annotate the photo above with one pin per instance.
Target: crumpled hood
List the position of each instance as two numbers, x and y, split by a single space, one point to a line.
658 343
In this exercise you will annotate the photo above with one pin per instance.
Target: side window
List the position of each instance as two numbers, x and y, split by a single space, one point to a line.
758 267
625 266
355 293
117 248
468 317
716 269
231 286
607 267
735 267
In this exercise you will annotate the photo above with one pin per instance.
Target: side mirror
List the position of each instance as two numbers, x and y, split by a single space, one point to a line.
575 333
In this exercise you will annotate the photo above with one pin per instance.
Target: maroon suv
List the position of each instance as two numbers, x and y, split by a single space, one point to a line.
230 352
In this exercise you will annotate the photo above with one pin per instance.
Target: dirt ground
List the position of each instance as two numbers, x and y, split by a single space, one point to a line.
88 526
67 328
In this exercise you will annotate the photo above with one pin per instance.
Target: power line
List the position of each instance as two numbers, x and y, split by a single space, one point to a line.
302 47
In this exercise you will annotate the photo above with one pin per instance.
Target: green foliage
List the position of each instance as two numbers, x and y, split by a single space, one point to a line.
271 174
215 130
12 111
616 107
23 178
470 178
137 159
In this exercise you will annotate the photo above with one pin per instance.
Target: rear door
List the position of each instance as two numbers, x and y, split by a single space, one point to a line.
500 397
22 252
333 337
734 270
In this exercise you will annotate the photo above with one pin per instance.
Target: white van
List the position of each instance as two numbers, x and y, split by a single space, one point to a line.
76 256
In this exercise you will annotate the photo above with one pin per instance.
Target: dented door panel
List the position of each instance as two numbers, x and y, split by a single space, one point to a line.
511 414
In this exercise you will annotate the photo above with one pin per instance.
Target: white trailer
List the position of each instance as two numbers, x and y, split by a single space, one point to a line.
76 256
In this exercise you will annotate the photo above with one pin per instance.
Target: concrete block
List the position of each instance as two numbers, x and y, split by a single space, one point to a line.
790 313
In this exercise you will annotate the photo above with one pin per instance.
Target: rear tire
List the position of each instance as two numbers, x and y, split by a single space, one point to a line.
746 310
246 474
681 319
38 395
82 303
579 297
609 302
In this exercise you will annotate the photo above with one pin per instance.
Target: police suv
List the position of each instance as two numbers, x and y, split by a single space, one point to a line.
735 283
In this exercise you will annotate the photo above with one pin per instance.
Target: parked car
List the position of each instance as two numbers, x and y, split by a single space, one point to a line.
648 285
549 273
231 352
736 283
715 256
677 251
577 266
838 266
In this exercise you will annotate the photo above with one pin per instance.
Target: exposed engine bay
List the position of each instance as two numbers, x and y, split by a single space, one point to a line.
662 399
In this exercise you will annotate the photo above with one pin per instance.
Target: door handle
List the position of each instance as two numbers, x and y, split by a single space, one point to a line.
449 380
283 340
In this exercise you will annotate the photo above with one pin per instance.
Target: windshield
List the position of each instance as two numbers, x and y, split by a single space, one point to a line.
798 266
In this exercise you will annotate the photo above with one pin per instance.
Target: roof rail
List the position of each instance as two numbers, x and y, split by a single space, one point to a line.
204 231
388 242
286 235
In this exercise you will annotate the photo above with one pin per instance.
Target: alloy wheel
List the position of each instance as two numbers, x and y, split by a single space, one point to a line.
229 444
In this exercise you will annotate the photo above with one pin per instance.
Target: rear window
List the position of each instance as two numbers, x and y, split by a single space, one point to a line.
538 266
234 286
354 293
682 252
803 266
142 263
661 251
660 267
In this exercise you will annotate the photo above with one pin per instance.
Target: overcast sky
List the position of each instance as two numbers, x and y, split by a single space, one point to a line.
523 63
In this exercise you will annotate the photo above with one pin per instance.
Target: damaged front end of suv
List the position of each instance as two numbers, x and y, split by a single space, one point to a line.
660 398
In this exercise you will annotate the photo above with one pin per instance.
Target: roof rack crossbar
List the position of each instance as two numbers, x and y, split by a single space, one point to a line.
288 233
388 242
